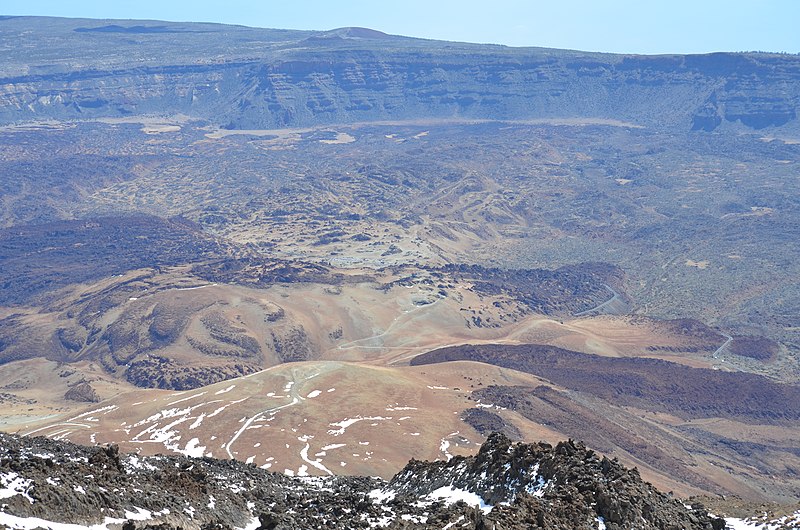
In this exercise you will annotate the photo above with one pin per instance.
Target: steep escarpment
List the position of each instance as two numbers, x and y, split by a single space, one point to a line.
505 486
273 79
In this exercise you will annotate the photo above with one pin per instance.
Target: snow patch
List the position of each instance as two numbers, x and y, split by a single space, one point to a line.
380 496
31 523
11 484
317 463
198 421
187 398
451 495
396 407
344 424
448 526
443 447
790 521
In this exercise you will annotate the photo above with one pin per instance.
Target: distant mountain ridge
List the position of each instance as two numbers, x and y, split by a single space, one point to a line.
249 78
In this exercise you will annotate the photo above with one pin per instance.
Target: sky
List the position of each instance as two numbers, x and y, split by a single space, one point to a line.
620 26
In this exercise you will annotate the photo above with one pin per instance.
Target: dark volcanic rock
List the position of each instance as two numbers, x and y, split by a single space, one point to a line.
154 371
530 485
485 422
759 348
567 290
82 392
69 252
651 384
566 486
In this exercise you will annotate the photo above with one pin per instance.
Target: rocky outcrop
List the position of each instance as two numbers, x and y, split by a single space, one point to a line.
82 392
506 486
155 371
540 486
486 422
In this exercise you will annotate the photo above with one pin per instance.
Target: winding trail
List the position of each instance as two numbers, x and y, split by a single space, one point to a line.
293 394
614 297
719 350
355 343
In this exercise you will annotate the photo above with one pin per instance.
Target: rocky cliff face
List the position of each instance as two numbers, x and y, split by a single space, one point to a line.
243 78
505 486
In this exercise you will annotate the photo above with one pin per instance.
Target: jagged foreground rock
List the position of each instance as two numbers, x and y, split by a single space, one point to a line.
505 486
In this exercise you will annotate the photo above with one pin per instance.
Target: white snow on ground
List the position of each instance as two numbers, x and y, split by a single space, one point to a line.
448 526
537 489
85 417
344 424
333 446
193 448
187 398
248 422
133 462
445 445
396 407
601 523
313 394
37 455
380 496
198 421
166 414
331 389
443 448
252 525
317 463
450 495
30 523
104 410
789 521
12 484
224 390
438 387
223 407
732 523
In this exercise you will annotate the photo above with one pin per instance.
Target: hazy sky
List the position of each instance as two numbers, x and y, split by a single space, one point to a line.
634 26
